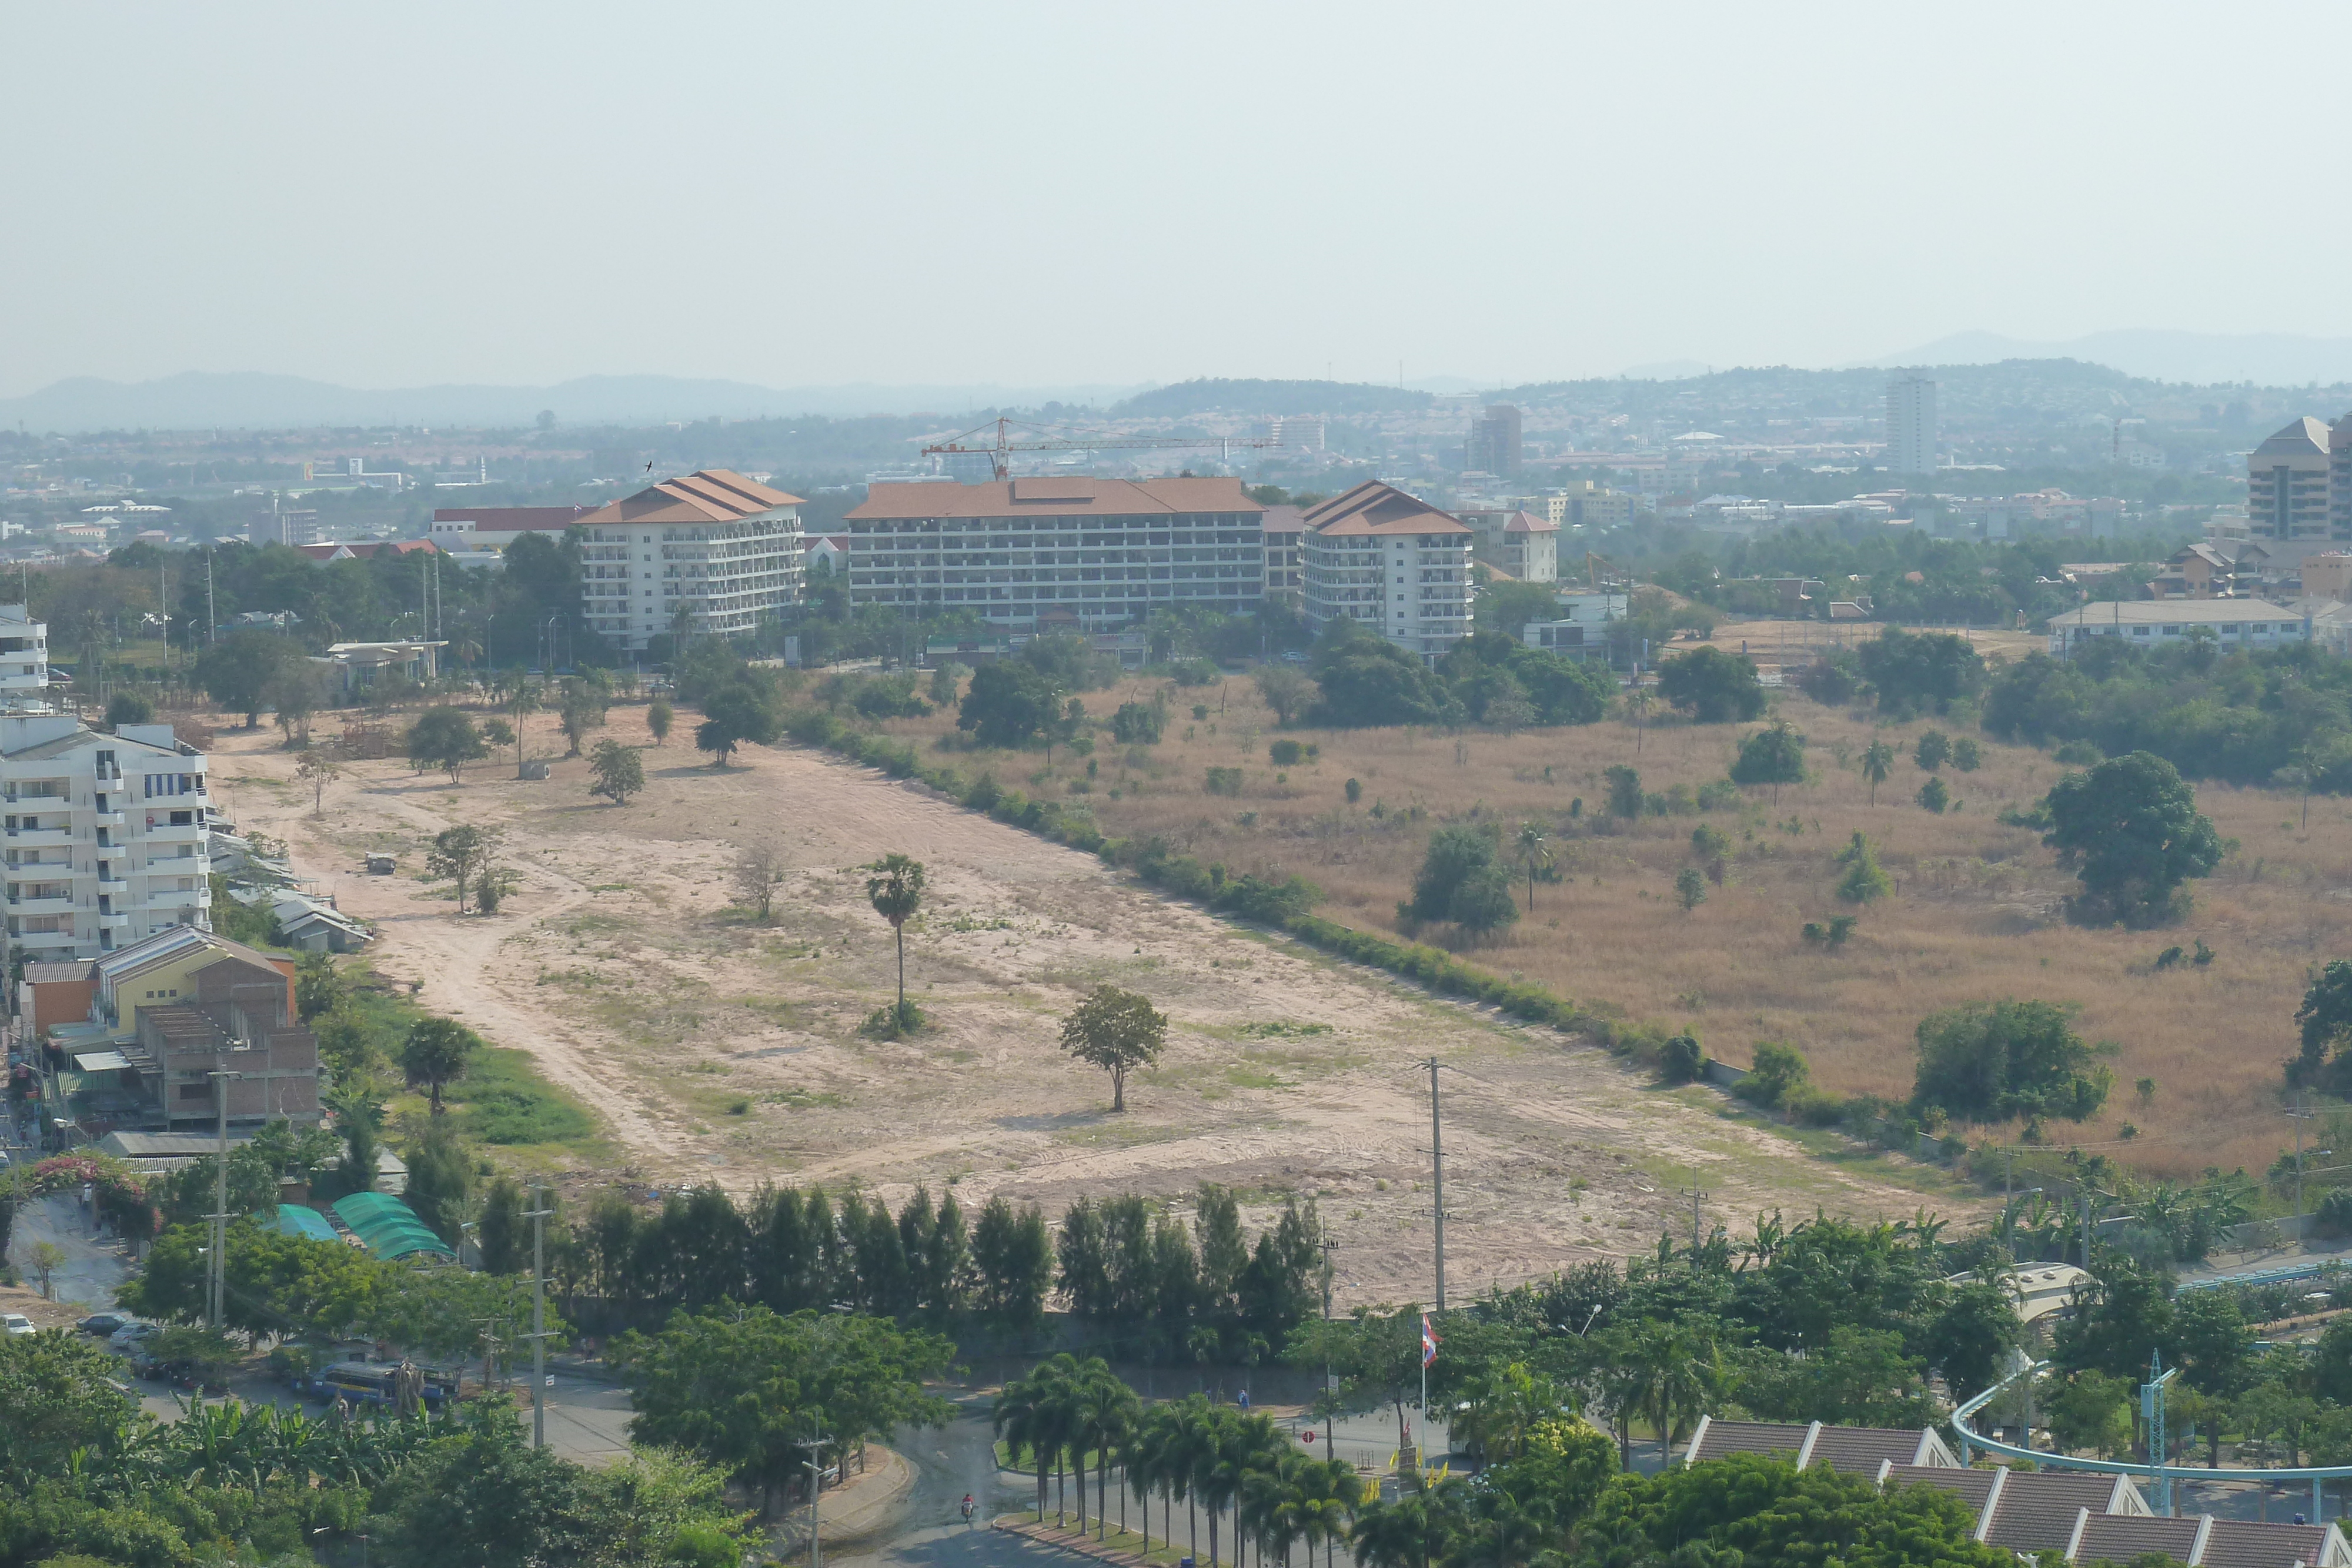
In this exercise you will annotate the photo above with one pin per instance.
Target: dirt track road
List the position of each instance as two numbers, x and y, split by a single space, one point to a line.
718 1048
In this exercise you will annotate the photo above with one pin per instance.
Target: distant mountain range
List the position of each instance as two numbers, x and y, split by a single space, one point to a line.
199 400
2200 358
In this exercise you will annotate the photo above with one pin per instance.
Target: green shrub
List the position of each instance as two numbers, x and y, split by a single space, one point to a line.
1138 723
1222 781
1682 1061
1778 1071
1809 1107
2334 1215
1287 753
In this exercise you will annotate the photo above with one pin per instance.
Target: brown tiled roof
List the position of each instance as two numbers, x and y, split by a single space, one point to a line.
1026 497
1859 1451
1372 508
36 973
1722 1438
2037 1508
2120 1537
706 495
1971 1486
2244 1543
1284 521
1528 523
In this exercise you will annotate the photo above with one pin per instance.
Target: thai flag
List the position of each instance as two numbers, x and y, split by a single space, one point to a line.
1428 1341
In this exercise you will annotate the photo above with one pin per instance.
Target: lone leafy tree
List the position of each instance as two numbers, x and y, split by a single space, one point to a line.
897 889
1775 756
1690 888
461 854
437 1051
659 717
616 771
1116 1031
2131 829
740 711
446 738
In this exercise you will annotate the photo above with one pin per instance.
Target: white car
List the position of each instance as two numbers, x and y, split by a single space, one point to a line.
127 1337
16 1322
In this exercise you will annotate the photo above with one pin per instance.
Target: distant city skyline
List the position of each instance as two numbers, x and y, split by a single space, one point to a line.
801 196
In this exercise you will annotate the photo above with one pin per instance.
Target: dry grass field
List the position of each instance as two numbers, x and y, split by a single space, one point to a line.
1976 914
715 1048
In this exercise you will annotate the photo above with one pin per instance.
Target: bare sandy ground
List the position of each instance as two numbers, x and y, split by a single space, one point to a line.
718 1048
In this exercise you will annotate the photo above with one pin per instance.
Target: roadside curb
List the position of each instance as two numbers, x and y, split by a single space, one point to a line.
1067 1541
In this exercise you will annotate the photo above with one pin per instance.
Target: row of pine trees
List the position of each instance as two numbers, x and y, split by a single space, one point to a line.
1137 1272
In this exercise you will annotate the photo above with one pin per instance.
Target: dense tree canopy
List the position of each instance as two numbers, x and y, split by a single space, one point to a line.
1991 1061
2131 828
1712 686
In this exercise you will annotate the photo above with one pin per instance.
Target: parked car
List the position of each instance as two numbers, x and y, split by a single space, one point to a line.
16 1322
104 1324
126 1338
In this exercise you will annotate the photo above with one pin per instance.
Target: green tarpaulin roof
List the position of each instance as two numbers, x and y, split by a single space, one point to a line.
293 1219
388 1227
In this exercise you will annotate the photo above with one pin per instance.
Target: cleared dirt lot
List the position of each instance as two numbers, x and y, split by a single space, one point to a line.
720 1050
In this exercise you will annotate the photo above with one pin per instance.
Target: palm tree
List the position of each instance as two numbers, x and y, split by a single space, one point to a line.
1876 764
1335 1496
1676 1374
1404 1533
1637 703
1144 1462
897 889
1029 1413
1535 851
522 702
1273 1507
1105 1410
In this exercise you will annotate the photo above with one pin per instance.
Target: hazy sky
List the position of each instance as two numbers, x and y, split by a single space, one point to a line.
1030 194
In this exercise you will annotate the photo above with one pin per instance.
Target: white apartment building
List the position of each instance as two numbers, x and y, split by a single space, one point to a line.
1396 564
1525 545
105 835
2170 623
710 551
1911 425
24 660
2287 481
1050 553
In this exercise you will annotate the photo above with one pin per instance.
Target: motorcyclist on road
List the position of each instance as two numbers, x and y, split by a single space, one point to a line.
968 1507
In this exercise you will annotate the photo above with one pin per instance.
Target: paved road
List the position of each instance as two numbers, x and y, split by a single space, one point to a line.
925 1530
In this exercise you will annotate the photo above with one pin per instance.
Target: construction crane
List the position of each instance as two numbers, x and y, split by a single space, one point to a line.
999 450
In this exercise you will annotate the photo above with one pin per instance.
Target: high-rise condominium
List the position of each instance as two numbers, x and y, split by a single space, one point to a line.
1911 425
1494 444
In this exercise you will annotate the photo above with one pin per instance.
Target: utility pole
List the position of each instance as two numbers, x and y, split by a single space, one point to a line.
1696 1196
1437 1182
211 615
217 1274
815 1446
1328 1245
540 1381
489 1348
